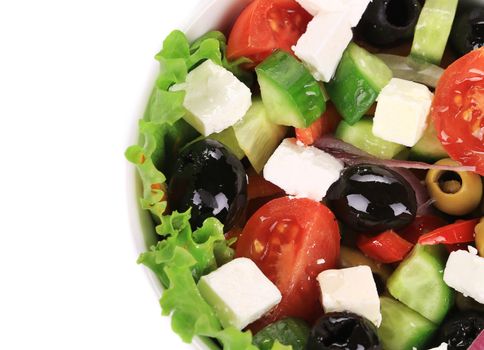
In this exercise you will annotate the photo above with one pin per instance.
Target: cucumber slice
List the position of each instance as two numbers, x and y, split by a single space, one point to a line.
288 331
361 135
433 29
257 135
401 327
290 93
228 139
428 148
418 283
357 82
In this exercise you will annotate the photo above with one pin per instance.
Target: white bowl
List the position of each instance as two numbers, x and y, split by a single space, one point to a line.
208 15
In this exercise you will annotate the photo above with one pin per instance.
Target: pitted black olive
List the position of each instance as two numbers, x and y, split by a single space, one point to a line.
371 198
210 180
460 331
343 330
388 21
468 31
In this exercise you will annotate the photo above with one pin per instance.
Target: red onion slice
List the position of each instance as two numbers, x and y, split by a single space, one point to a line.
352 155
478 343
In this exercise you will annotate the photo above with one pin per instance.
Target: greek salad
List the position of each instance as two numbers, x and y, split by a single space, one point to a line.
315 177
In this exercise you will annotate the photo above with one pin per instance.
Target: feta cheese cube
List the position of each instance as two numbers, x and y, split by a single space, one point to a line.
401 112
239 293
314 7
464 272
354 9
302 171
352 289
215 98
322 45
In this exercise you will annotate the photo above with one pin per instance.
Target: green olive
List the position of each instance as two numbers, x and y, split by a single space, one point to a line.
454 192
479 237
351 257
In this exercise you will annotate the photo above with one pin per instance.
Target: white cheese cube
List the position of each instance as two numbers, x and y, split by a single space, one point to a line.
401 112
322 45
442 346
239 293
302 171
352 289
465 273
354 9
215 98
314 7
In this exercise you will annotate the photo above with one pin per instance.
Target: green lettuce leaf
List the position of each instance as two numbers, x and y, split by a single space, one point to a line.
179 261
233 339
177 58
279 346
236 66
183 255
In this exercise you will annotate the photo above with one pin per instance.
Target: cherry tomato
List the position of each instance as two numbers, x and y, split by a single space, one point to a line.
420 226
264 26
462 231
458 110
325 124
292 241
387 247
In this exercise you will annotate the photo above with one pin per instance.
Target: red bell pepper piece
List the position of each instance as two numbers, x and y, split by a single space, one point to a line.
387 247
325 124
420 226
461 231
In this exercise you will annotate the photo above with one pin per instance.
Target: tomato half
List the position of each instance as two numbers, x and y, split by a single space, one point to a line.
264 26
458 110
292 241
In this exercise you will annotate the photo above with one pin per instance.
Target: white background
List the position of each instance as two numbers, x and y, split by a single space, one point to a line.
73 82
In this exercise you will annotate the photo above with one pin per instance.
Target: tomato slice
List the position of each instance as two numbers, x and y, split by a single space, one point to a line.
420 226
462 231
292 241
387 247
325 124
264 26
458 110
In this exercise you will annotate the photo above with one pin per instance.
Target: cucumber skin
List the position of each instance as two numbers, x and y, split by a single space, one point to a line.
429 296
402 328
428 148
352 90
433 30
360 135
297 88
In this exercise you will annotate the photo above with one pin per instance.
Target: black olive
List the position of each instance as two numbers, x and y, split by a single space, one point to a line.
343 330
388 21
468 31
372 198
210 180
460 331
